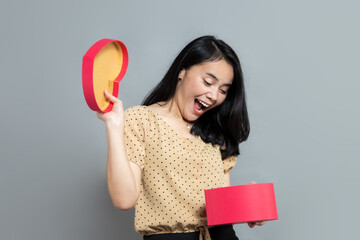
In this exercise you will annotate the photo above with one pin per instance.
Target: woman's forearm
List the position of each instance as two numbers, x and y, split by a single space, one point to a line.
120 178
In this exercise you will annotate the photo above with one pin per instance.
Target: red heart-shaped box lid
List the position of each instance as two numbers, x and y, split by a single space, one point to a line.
241 203
104 65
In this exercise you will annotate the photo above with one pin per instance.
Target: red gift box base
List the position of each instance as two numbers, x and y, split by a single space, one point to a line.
239 204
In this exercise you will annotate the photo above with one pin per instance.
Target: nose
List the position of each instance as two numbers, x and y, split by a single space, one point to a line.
212 94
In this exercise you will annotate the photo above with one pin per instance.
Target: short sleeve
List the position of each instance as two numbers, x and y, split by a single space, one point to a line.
134 135
229 163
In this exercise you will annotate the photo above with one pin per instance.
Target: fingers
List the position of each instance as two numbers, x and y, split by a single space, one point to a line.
118 104
252 182
251 224
261 223
100 115
117 112
258 223
110 97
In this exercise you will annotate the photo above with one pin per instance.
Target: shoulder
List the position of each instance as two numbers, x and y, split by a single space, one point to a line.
136 115
135 112
139 109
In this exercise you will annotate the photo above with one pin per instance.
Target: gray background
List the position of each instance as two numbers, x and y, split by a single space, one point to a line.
299 60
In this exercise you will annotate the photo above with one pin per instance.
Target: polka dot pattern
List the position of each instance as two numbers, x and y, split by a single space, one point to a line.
175 172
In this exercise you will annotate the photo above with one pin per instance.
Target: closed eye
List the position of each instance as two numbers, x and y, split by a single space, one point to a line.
223 92
207 83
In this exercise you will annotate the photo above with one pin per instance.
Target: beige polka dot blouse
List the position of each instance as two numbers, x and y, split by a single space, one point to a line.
175 172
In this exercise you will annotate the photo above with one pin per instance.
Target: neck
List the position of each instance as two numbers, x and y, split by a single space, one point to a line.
173 108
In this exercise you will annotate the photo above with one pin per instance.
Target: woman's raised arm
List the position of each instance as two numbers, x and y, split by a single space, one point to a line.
123 177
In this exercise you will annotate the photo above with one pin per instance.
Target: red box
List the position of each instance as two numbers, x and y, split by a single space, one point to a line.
239 204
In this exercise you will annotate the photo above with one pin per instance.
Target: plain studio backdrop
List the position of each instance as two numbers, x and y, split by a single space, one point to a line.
300 62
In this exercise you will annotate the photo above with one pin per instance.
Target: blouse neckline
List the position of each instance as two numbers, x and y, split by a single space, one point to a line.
197 138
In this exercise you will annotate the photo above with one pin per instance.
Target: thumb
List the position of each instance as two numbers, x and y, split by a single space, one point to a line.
110 97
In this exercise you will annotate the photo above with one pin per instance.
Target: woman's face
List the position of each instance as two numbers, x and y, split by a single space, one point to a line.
203 87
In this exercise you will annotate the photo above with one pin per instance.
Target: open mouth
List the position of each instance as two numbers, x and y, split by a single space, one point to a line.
200 106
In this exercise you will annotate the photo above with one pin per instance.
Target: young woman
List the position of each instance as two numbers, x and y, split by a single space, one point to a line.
184 139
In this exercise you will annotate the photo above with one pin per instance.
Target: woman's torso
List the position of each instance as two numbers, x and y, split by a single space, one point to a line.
176 169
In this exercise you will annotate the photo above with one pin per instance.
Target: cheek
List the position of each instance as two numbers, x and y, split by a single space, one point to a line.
198 87
221 98
219 101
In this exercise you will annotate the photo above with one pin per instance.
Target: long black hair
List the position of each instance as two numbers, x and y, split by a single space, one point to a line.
226 125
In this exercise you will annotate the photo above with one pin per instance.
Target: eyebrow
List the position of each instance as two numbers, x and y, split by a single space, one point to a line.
214 77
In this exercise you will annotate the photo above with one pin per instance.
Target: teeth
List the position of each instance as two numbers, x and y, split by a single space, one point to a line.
204 104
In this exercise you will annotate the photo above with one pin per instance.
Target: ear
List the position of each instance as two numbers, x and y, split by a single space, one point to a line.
181 74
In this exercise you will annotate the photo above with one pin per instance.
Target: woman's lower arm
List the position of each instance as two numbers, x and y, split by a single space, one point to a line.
120 178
